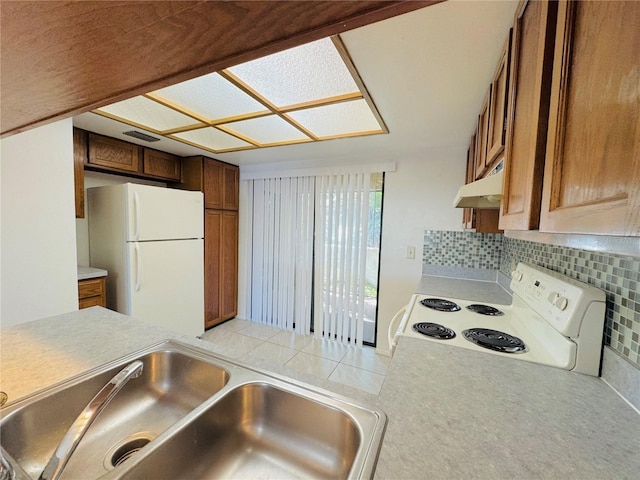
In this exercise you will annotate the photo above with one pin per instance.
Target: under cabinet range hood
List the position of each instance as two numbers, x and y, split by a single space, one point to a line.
483 193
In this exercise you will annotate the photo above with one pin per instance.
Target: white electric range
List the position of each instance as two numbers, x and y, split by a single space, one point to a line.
553 320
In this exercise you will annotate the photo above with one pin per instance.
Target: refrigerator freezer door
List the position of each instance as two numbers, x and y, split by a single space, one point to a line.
167 284
155 213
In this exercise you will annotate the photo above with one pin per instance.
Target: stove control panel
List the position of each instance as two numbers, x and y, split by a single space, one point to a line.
560 300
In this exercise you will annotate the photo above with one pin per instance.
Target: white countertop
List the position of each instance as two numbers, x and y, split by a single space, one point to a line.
85 273
446 406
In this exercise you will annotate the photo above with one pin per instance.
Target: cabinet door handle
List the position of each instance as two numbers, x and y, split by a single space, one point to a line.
136 210
138 267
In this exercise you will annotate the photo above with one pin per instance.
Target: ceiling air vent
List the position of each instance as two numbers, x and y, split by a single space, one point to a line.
141 136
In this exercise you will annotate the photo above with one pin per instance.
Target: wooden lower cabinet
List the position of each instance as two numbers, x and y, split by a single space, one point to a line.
92 292
221 266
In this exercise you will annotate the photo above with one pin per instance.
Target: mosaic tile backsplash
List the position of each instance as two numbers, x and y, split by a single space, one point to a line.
462 249
617 275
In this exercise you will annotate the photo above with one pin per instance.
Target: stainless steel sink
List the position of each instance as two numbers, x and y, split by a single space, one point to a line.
195 416
172 384
258 431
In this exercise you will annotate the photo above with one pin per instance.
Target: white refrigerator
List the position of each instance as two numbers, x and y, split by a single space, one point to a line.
150 240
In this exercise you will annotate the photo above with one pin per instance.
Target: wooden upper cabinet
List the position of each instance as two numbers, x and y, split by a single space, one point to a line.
218 181
213 183
113 154
530 83
467 213
482 137
592 171
498 108
231 179
80 148
161 165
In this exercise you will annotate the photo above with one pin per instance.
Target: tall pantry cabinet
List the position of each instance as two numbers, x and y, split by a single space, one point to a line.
220 184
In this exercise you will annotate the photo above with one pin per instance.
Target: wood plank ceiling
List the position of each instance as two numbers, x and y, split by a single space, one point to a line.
62 58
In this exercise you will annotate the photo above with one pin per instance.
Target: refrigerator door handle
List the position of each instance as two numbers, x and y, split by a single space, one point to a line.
136 246
136 209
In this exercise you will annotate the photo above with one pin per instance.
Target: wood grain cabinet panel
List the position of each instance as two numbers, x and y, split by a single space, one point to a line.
113 154
92 292
498 108
161 165
80 151
213 183
529 89
218 181
221 266
482 136
592 171
231 187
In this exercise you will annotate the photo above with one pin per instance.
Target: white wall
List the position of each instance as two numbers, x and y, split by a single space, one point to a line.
38 235
417 196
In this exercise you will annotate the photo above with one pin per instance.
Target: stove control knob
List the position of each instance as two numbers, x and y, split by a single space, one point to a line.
516 275
553 296
561 303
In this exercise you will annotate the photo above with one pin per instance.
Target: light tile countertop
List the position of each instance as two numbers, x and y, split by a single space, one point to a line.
453 413
85 273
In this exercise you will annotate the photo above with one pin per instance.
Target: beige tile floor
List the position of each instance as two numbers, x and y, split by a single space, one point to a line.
360 368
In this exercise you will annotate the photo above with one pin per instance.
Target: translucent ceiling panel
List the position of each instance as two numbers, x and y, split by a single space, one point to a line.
301 74
212 97
337 119
265 130
212 138
146 112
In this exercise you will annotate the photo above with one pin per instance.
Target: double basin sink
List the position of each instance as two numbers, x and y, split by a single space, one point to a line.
192 415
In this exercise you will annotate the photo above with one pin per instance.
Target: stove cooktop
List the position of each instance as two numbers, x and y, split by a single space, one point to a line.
552 317
498 328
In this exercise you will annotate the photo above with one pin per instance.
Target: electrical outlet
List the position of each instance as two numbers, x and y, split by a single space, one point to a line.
411 253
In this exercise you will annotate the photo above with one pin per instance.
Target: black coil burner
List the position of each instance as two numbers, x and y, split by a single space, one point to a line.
440 304
485 310
434 330
494 340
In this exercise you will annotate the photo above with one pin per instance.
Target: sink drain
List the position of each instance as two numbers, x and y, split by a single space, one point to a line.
126 449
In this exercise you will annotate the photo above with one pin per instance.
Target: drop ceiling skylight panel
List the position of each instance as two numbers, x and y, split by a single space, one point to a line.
147 113
306 73
212 139
338 119
267 130
212 97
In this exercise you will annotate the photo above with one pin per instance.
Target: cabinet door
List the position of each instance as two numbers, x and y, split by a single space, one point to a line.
79 159
212 249
230 187
482 140
498 108
229 265
161 165
221 266
592 171
213 183
530 83
467 213
113 154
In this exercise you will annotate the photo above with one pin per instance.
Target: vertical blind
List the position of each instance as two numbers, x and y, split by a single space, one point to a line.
308 260
282 252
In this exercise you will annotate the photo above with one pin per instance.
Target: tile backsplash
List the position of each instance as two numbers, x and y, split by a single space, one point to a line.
462 249
617 275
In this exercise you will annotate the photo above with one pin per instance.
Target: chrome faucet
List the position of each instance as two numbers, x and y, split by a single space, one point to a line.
77 431
6 469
